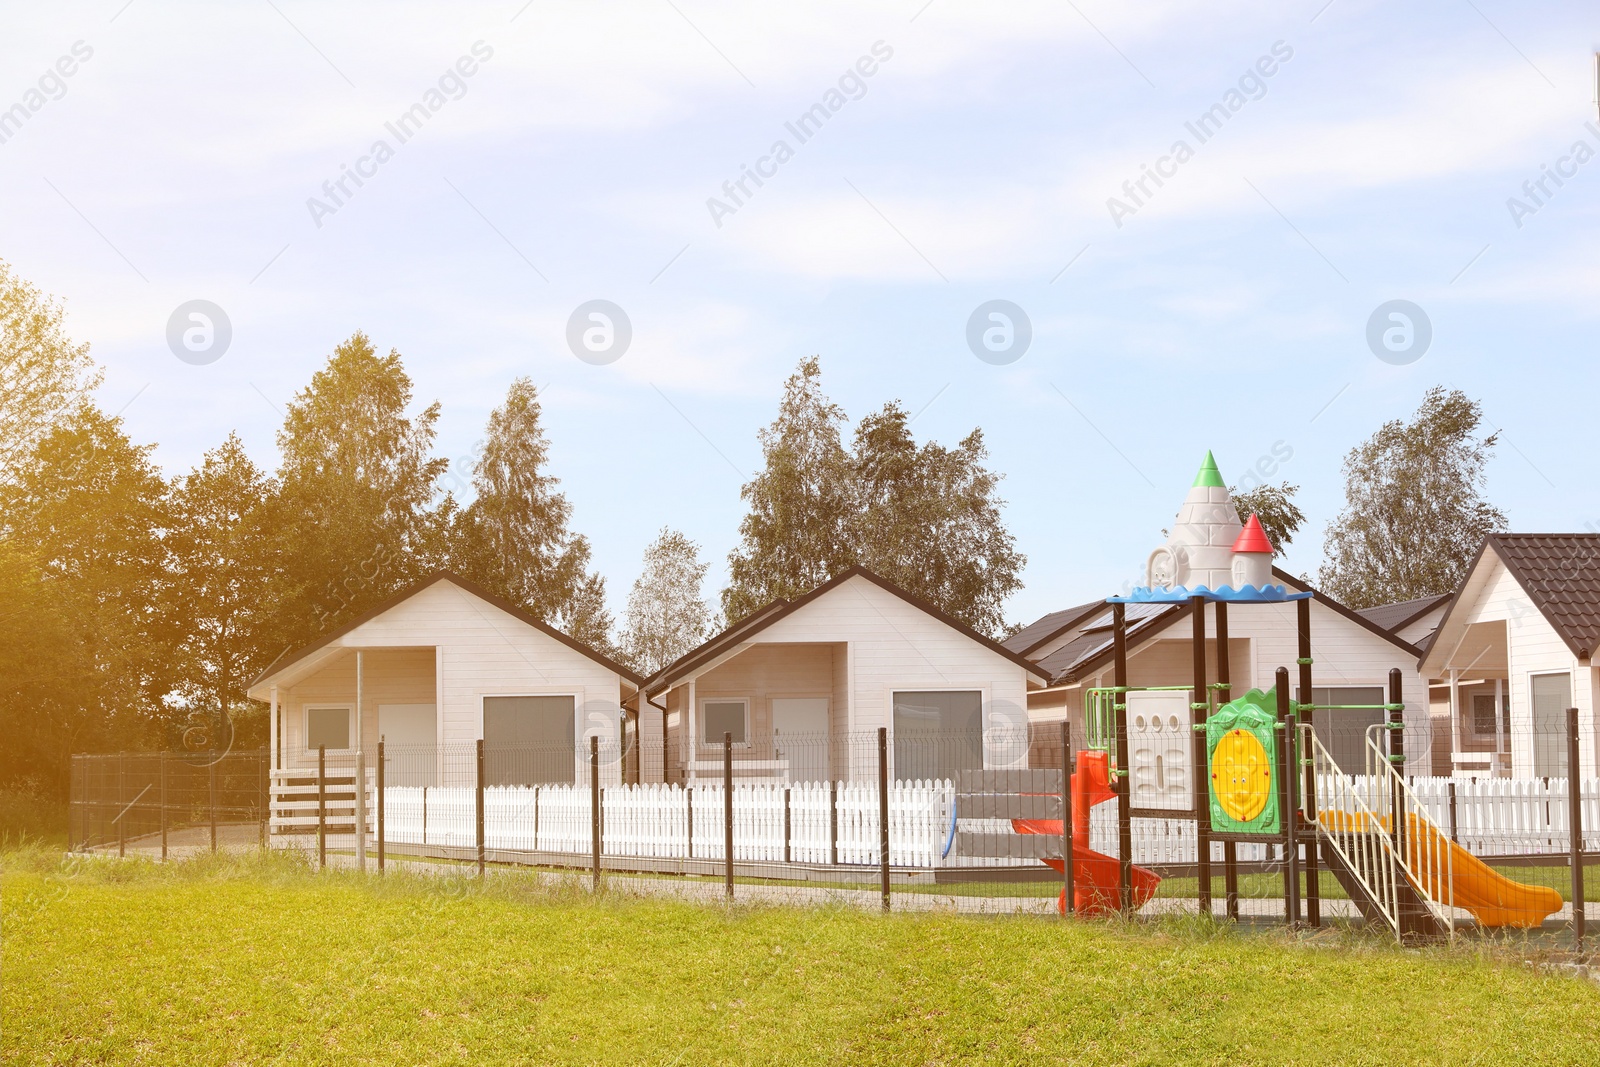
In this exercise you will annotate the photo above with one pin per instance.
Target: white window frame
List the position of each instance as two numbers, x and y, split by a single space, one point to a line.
305 726
717 744
1504 709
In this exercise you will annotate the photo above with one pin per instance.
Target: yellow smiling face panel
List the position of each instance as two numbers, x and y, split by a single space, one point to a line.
1241 775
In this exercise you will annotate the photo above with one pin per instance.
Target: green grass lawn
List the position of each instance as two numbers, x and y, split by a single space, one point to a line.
260 961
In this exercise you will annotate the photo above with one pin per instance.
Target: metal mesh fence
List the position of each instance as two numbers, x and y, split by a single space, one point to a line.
971 821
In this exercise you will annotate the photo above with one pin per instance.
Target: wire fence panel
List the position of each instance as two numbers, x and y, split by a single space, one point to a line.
974 820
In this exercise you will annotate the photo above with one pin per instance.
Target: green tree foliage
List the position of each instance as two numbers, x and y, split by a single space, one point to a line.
84 557
1414 514
43 375
1274 505
666 614
223 574
514 538
351 517
926 518
793 538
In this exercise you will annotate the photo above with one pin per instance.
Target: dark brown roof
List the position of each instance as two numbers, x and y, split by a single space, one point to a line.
1049 627
685 664
283 662
1561 575
1399 615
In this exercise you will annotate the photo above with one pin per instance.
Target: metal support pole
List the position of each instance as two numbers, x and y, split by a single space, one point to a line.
786 827
594 804
163 773
688 809
211 795
1397 760
1123 782
1200 710
380 804
478 790
727 813
1287 775
1230 849
1309 794
322 806
266 797
1575 819
883 815
1069 901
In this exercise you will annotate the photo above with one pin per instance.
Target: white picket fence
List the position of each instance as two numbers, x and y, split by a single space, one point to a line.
657 821
1493 817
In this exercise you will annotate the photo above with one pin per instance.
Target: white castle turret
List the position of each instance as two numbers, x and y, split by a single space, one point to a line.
1199 550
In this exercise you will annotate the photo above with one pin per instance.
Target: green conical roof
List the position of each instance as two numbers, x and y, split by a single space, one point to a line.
1209 475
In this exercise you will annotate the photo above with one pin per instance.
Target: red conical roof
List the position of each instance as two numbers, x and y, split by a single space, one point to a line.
1252 538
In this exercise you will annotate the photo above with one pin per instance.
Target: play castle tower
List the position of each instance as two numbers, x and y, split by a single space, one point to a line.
1208 548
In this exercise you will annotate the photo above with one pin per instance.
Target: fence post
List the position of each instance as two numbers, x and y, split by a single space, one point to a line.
883 814
1068 895
163 773
211 792
1575 818
688 811
727 812
594 804
360 780
380 805
122 791
266 798
833 823
322 806
786 824
1454 837
478 790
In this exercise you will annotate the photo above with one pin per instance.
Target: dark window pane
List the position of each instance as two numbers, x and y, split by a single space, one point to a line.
937 734
529 740
327 728
1343 731
723 717
1552 695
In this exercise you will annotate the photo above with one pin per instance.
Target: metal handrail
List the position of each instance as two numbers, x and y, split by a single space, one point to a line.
1347 822
1424 848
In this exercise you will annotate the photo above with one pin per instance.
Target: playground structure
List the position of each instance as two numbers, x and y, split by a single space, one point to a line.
1264 776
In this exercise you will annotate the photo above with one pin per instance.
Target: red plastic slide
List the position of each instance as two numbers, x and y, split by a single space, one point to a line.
1094 874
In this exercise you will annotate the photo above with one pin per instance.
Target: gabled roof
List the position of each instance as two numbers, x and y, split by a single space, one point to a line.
1091 651
692 660
1049 627
284 662
1561 575
1399 615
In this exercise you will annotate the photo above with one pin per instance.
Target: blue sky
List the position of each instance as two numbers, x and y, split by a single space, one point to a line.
1228 312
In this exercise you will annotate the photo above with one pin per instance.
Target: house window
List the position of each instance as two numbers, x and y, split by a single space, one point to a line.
327 728
1343 730
1551 696
1483 713
937 733
529 740
719 717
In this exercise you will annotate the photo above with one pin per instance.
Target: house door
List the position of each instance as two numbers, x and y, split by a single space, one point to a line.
800 735
410 743
1552 695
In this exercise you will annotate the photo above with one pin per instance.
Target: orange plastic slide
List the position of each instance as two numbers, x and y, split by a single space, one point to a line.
1491 897
1094 874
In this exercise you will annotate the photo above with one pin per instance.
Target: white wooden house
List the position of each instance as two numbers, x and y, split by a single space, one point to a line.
432 671
1519 636
803 685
